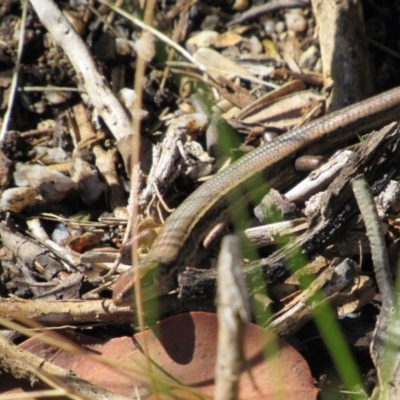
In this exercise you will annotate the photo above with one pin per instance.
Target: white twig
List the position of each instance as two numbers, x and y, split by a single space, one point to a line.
14 82
101 96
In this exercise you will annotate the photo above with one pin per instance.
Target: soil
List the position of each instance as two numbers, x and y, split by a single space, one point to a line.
48 119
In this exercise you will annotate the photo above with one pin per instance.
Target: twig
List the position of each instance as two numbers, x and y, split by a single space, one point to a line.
255 12
14 82
233 313
175 38
135 150
103 99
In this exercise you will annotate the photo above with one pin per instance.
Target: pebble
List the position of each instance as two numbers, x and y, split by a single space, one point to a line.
295 22
255 45
241 5
16 199
309 58
123 46
269 27
279 27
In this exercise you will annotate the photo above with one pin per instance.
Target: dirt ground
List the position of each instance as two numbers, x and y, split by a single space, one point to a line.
71 187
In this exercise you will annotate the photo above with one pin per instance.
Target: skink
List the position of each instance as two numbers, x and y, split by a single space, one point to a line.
175 241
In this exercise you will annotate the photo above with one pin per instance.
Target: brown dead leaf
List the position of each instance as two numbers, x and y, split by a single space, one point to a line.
182 351
227 39
262 102
212 39
85 241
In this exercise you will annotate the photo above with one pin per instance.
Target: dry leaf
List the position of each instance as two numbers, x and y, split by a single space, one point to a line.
182 349
218 65
286 111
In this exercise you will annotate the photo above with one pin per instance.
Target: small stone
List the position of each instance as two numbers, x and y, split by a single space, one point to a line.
309 58
280 27
269 27
16 199
295 22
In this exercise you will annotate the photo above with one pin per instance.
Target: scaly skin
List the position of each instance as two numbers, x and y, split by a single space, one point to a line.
174 240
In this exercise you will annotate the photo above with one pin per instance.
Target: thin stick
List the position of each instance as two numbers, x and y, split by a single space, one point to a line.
100 94
14 82
135 151
175 38
233 314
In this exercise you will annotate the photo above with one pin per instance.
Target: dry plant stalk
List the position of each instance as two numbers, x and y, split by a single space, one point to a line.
233 314
384 345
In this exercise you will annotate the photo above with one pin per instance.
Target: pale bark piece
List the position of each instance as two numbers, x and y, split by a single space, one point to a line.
171 157
65 312
24 248
318 179
299 311
344 51
5 165
233 313
265 235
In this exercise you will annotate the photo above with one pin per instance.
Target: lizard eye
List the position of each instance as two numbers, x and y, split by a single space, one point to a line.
123 299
